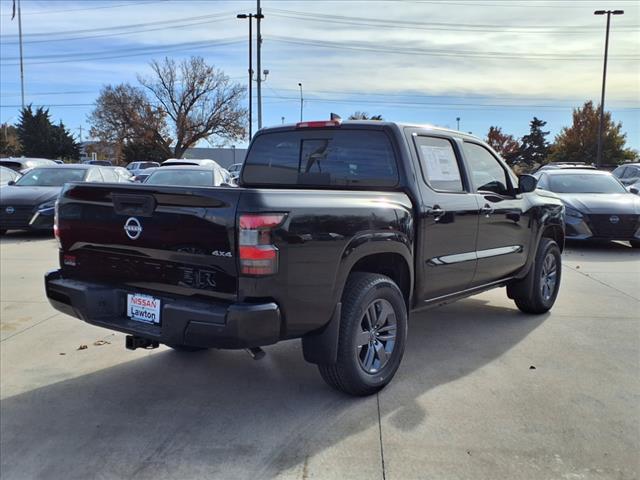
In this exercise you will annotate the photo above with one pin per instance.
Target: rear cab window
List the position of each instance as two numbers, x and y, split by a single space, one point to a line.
322 157
439 164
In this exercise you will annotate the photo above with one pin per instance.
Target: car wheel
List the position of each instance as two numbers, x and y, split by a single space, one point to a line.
185 348
635 243
372 336
537 292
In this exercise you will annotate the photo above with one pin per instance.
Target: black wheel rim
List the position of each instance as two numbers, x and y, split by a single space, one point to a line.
548 276
377 336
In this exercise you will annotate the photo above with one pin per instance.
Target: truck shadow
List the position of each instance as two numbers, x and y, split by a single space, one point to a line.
16 236
219 414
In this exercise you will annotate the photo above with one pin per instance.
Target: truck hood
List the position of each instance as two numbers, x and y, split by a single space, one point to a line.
594 203
15 195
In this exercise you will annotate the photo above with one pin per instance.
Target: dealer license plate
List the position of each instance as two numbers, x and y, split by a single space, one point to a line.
143 308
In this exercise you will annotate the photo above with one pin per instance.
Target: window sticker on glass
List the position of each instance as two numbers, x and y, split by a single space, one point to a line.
440 163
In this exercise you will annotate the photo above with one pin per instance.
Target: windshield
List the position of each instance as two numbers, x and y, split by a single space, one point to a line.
584 184
189 178
51 177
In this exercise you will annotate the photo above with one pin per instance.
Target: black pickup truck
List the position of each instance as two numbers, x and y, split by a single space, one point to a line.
336 232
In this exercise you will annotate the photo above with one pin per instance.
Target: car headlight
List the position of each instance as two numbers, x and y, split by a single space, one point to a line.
572 212
46 205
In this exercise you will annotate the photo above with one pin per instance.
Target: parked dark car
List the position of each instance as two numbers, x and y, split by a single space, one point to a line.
336 233
186 176
628 174
28 204
22 164
7 175
597 205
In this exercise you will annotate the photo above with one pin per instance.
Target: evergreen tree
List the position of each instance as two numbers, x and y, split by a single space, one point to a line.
41 138
534 147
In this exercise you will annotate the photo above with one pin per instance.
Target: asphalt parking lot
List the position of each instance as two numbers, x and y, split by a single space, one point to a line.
484 392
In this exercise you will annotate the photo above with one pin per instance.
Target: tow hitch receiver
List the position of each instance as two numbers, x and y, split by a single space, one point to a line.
132 343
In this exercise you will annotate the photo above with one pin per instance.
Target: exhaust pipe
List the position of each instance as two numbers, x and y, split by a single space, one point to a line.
256 353
132 342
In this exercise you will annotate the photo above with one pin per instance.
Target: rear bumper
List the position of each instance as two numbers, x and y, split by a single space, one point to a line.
183 322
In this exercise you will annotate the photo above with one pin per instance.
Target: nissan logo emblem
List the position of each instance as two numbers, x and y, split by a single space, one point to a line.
10 210
132 228
614 219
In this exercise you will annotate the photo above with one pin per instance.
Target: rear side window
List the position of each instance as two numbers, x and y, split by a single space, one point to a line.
322 157
439 164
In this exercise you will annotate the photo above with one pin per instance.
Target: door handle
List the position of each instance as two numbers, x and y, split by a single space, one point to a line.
436 212
486 210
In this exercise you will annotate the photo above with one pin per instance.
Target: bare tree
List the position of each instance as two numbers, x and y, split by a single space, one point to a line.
199 99
123 115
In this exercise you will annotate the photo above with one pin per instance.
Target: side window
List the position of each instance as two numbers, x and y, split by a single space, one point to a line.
439 164
631 172
487 173
109 175
543 182
93 175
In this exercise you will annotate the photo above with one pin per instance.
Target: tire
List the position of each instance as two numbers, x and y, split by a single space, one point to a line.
367 368
537 292
185 348
635 243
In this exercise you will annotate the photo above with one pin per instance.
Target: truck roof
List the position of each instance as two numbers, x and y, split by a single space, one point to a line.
380 123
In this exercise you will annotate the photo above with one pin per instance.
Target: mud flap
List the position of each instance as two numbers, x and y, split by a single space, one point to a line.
322 347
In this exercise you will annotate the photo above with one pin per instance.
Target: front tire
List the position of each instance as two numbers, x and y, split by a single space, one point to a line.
537 292
372 336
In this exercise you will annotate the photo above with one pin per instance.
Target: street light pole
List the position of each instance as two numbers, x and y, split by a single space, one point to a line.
458 120
301 100
250 17
604 79
21 56
259 17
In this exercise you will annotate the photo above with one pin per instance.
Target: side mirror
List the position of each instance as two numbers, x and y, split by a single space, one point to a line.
634 190
11 182
527 183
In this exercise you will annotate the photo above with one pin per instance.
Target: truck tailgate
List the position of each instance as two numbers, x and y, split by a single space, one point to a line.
173 240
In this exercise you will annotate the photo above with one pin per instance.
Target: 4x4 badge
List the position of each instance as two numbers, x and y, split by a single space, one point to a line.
132 228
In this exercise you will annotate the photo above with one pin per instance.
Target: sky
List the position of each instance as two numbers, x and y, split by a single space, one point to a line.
486 62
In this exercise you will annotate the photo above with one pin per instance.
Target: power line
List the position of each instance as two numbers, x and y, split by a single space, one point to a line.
373 47
133 52
120 34
353 21
53 11
125 27
429 25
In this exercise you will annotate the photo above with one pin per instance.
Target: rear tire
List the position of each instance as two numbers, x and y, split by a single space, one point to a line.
372 336
635 243
537 292
185 348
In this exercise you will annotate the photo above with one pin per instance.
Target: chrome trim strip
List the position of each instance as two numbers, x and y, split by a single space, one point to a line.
478 254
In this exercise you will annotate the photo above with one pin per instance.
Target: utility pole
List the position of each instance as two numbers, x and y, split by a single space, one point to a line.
250 17
21 60
608 13
301 100
259 17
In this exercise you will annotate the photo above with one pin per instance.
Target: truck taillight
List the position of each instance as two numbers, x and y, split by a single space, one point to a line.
56 229
258 255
